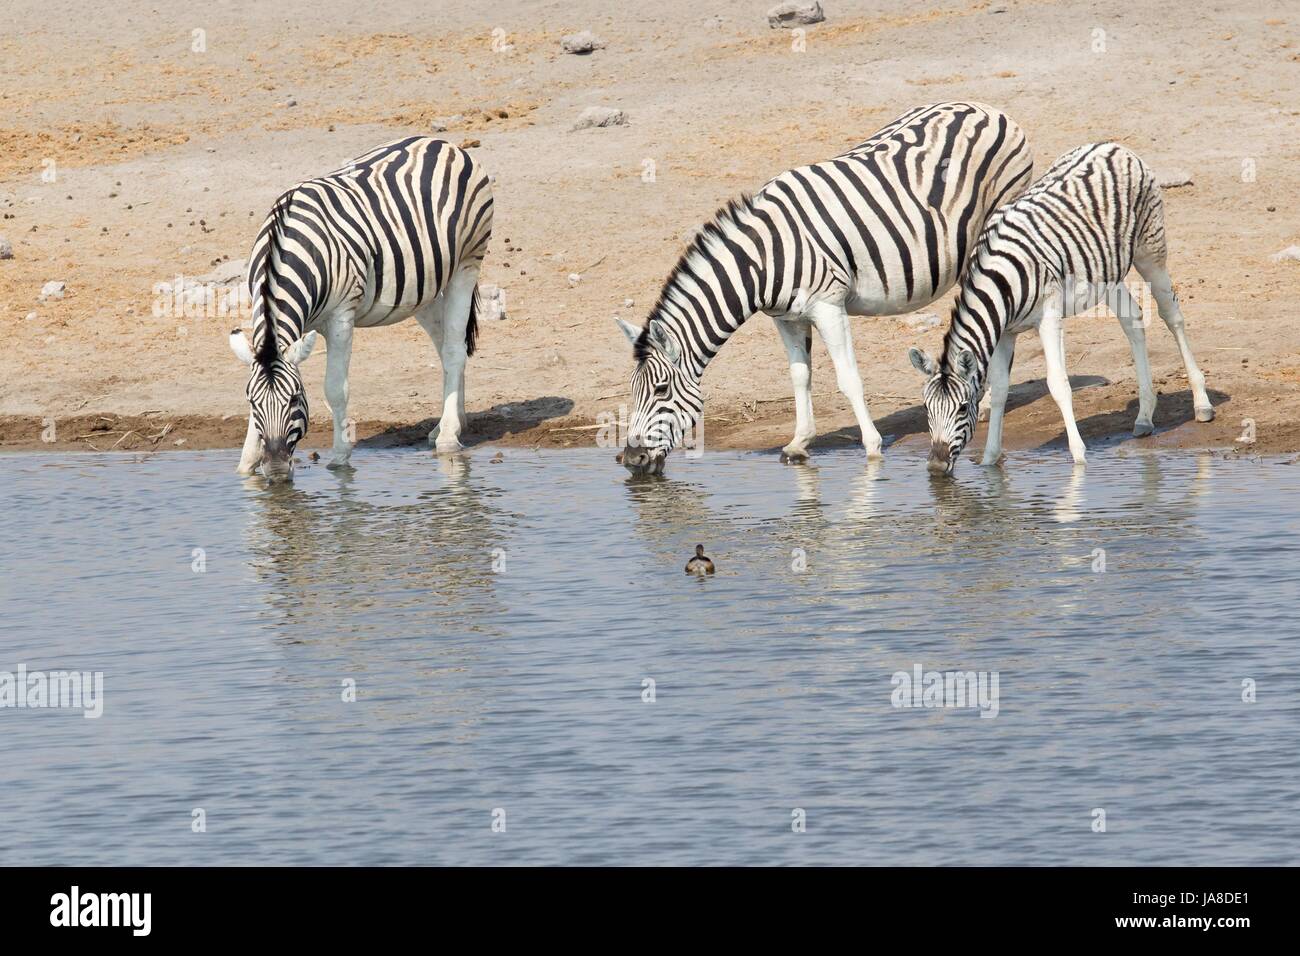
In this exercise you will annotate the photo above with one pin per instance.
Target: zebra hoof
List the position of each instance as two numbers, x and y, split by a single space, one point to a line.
793 456
1205 414
1142 429
448 447
338 463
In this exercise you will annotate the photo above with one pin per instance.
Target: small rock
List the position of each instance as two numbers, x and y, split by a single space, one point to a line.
919 323
6 248
31 316
492 301
469 144
628 303
179 441
231 272
52 290
574 278
600 117
1290 253
584 42
1174 178
786 14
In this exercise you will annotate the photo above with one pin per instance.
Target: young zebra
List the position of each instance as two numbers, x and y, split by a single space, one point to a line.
399 232
1061 248
879 230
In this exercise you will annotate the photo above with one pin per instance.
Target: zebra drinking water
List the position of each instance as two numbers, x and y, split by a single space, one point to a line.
881 229
1061 248
399 232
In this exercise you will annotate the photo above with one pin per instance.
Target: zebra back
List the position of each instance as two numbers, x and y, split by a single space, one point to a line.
1084 221
883 228
381 235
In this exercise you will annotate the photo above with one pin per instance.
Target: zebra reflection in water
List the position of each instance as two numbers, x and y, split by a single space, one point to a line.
333 555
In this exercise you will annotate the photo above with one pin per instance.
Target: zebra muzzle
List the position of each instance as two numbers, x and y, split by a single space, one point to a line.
277 459
643 461
940 462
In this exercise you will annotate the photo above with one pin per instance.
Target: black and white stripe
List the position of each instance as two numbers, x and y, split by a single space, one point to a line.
400 232
881 229
1061 248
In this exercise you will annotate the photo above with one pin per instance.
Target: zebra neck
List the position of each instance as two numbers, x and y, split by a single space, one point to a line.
286 323
712 292
974 329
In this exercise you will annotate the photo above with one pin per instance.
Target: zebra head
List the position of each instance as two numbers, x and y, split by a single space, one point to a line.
278 400
666 398
952 398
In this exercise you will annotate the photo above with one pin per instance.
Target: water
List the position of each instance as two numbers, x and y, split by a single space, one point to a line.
520 688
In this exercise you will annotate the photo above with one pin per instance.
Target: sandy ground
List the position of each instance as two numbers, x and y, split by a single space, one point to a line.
164 159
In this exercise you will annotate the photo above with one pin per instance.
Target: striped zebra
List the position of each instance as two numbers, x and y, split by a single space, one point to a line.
881 229
1061 248
399 232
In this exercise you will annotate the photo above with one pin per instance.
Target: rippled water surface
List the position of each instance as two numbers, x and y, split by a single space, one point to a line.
500 621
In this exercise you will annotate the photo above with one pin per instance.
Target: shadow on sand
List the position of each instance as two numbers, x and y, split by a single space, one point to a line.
482 427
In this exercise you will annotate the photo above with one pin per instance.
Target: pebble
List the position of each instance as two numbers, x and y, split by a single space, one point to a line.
1174 179
925 320
6 248
31 316
52 290
1290 253
492 300
584 42
785 14
600 117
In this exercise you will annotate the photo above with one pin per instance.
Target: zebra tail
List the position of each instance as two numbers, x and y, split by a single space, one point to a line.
471 327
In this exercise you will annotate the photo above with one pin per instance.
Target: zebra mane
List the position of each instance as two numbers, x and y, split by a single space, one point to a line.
722 225
269 348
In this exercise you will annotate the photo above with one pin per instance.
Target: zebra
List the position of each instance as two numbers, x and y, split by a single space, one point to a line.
399 232
1061 248
879 230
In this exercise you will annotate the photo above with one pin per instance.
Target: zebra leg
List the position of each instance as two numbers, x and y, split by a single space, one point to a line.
1052 333
833 324
455 319
252 453
999 384
1162 288
430 318
796 335
338 355
1129 314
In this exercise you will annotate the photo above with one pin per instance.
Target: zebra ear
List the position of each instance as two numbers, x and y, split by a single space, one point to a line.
239 345
966 363
665 343
300 350
631 331
923 363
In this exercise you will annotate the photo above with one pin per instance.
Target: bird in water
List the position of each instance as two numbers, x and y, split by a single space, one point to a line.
700 564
